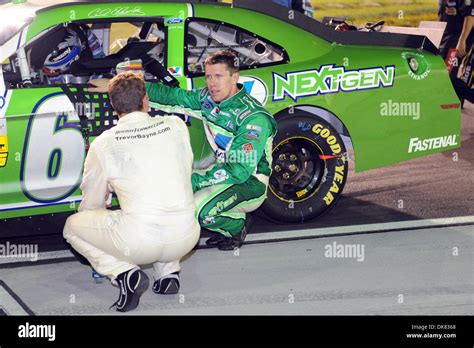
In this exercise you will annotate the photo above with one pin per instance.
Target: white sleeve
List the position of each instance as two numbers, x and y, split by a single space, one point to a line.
94 183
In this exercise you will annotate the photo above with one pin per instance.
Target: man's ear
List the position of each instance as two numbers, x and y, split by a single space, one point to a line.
146 104
235 77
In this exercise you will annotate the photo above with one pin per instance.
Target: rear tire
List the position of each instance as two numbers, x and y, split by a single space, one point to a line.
309 170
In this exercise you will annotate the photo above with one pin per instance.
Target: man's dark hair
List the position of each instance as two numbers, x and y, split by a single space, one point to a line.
126 91
224 57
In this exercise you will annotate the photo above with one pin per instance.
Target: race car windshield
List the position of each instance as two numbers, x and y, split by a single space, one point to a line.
12 20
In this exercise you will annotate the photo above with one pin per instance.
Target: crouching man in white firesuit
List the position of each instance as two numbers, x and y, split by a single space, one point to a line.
147 162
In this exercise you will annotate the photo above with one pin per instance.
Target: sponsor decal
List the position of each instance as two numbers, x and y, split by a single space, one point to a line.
255 88
213 113
252 135
417 145
330 79
174 20
330 139
176 71
451 59
223 113
244 115
230 125
304 126
252 127
221 205
3 150
206 105
247 148
421 66
65 53
221 173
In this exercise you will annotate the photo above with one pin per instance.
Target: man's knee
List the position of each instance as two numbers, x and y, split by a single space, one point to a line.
69 226
205 220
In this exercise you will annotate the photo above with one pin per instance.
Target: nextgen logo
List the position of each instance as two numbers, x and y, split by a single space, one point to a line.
330 79
417 145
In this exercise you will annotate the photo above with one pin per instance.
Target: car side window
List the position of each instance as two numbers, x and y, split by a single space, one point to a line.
77 52
204 37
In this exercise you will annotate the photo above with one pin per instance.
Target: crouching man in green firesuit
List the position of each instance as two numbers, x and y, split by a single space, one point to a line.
240 131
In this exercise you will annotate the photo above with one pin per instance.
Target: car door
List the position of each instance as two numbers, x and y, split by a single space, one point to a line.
48 120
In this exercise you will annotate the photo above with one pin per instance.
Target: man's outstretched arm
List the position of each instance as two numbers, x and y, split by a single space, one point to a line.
157 92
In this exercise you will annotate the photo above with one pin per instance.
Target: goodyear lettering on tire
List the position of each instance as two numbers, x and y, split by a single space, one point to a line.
330 139
338 179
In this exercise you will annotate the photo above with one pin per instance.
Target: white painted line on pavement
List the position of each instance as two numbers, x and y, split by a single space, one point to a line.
295 234
47 255
315 232
9 305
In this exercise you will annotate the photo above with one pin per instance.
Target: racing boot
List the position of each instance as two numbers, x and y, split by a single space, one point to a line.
235 242
132 285
215 239
168 285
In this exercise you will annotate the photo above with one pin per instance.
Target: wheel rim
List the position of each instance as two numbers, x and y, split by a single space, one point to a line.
297 169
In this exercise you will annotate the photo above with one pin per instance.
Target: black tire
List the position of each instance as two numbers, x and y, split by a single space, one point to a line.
309 170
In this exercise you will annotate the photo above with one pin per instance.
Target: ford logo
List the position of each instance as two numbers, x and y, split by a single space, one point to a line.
174 20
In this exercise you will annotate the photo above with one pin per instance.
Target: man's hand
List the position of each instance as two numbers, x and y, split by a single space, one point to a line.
101 85
461 48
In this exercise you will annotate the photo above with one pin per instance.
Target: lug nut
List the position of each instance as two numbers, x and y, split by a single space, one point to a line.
293 168
293 158
282 157
286 176
277 168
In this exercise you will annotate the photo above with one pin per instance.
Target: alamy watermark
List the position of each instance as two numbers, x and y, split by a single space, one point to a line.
408 109
237 156
80 109
345 251
20 251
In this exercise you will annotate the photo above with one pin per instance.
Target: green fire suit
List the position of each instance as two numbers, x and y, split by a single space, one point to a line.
240 131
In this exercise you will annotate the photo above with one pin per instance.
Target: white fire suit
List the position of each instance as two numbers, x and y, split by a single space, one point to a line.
147 162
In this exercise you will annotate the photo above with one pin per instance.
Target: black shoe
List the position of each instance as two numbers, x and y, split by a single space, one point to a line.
216 239
234 241
168 285
132 285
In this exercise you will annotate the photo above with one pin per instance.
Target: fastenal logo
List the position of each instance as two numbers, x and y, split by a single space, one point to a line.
21 251
330 79
417 145
255 87
345 251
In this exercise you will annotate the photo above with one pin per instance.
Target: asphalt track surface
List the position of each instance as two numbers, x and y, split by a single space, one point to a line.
407 263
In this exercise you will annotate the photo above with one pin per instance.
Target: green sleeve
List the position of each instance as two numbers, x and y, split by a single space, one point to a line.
246 150
157 92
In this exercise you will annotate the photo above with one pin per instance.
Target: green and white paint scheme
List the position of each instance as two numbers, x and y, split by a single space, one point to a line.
40 133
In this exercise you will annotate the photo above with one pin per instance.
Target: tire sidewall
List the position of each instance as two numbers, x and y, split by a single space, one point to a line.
335 174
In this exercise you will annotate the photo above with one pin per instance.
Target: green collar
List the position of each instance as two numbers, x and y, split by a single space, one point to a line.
229 100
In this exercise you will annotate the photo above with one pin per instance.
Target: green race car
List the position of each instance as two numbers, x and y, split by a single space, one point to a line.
382 97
